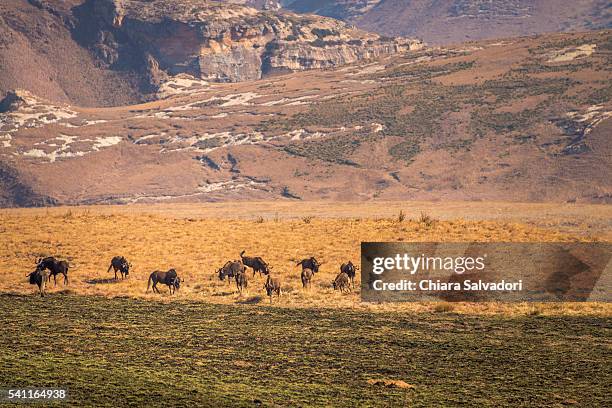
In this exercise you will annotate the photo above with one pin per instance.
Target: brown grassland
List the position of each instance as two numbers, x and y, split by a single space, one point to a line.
196 239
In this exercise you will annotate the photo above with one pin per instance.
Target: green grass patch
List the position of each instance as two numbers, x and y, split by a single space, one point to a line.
125 352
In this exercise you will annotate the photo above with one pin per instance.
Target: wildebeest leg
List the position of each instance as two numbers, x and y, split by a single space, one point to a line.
54 280
65 278
116 274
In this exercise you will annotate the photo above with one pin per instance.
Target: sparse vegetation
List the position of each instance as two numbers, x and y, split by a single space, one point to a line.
331 149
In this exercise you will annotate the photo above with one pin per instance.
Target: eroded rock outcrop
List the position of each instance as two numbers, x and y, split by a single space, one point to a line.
229 42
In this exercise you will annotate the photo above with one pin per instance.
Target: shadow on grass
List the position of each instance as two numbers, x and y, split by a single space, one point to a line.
224 293
251 300
104 281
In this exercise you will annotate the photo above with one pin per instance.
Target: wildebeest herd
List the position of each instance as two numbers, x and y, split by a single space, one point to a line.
237 270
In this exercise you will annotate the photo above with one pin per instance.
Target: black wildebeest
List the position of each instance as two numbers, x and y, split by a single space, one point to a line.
230 270
310 263
258 264
55 267
272 286
242 281
120 264
39 277
350 270
307 275
169 278
341 282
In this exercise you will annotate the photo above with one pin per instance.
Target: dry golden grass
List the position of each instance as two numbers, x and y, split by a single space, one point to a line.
196 247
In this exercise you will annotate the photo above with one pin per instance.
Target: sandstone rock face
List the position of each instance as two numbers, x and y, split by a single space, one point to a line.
227 42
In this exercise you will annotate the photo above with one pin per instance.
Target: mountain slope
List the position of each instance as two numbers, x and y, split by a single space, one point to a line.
117 52
38 52
453 21
526 119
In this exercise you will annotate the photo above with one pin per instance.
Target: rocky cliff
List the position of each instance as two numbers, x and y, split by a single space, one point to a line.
111 53
225 42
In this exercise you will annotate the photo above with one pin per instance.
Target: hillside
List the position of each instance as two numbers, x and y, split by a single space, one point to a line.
522 120
454 21
119 52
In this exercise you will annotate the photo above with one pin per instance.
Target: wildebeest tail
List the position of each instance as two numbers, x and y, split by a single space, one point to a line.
109 268
242 253
149 283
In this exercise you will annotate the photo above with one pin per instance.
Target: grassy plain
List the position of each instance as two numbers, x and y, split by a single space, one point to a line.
111 344
198 239
131 352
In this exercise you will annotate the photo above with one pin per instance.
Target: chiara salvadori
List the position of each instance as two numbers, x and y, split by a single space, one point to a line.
437 285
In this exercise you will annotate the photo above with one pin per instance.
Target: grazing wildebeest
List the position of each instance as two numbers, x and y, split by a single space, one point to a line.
271 286
349 269
258 264
310 263
120 264
169 278
341 282
230 269
307 275
55 267
241 281
39 277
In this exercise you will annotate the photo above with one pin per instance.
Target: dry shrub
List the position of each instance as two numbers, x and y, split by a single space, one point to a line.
307 219
427 220
401 216
444 307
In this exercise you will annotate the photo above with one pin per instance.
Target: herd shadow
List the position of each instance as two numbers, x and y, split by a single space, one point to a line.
102 281
252 300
